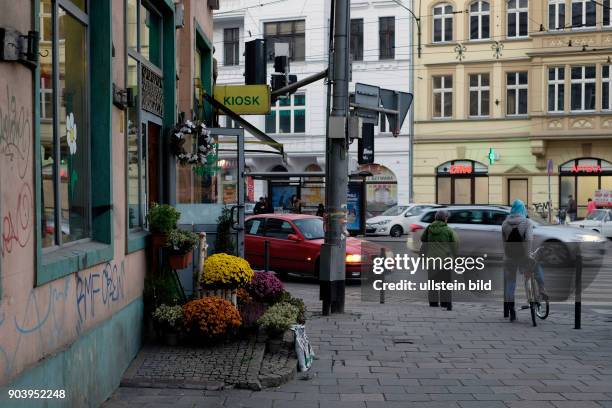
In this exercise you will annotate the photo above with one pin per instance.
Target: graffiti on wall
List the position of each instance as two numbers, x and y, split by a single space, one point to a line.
48 312
17 223
15 133
106 286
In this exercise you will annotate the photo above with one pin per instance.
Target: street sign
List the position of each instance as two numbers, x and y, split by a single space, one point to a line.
367 95
399 101
244 99
549 167
365 146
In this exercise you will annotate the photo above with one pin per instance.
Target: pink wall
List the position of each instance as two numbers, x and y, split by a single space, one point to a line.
38 321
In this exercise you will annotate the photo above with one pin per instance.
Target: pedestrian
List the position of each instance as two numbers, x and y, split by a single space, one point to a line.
296 205
260 206
572 208
591 206
320 210
517 235
439 241
269 209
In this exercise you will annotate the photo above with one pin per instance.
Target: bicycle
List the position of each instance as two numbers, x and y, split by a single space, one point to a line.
538 304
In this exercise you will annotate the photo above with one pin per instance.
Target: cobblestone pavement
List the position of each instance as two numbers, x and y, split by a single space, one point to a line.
411 355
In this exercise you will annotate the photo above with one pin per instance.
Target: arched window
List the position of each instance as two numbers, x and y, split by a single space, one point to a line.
518 12
462 182
556 14
480 15
580 178
442 23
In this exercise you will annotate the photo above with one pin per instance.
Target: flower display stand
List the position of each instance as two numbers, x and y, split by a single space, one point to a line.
229 294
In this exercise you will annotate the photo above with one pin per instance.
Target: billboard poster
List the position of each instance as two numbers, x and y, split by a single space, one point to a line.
281 196
353 206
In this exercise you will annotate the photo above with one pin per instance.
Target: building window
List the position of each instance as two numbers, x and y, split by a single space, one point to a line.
556 89
606 87
479 20
64 129
291 32
442 96
516 96
442 23
479 95
583 88
231 46
386 37
556 14
583 13
607 13
518 13
150 28
288 115
357 39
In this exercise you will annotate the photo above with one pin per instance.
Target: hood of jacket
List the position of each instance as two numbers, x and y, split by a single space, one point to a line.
439 231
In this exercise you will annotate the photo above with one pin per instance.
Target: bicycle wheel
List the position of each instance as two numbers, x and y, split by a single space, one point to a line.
530 292
542 309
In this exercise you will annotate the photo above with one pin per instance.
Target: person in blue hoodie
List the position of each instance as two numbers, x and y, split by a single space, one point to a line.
517 234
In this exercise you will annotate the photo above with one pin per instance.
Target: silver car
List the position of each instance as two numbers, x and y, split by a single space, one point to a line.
479 230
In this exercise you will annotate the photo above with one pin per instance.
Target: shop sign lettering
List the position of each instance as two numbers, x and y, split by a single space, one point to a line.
584 168
460 169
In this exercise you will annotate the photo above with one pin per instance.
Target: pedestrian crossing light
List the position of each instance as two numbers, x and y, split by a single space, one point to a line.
491 156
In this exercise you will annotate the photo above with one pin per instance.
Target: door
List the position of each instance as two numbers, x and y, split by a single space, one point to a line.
284 253
518 188
606 228
152 156
254 245
463 191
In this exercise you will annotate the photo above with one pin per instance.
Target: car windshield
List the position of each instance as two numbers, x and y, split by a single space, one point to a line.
395 211
597 215
311 228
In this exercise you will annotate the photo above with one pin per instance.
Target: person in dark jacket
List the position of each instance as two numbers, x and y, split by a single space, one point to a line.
572 208
320 210
439 241
517 234
260 206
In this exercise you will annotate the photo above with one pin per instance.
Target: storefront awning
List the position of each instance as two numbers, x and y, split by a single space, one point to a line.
264 138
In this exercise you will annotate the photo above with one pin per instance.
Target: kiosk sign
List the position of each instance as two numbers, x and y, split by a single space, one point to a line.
244 99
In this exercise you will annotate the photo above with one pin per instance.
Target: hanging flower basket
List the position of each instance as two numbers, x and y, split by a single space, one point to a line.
180 261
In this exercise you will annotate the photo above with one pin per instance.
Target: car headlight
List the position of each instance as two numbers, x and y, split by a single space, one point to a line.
589 238
385 222
353 258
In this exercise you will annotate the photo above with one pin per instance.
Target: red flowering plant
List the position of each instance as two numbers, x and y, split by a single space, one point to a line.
265 287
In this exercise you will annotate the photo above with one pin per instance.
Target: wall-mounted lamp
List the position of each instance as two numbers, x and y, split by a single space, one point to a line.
18 47
120 97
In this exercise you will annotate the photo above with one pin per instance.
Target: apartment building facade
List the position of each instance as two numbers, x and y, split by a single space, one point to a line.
381 56
509 92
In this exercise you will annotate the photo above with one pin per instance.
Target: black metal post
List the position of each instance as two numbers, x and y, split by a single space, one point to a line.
266 256
578 294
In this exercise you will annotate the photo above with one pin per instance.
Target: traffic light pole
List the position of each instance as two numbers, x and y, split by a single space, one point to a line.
332 264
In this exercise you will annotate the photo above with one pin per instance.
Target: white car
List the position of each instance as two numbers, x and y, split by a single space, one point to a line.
599 220
396 220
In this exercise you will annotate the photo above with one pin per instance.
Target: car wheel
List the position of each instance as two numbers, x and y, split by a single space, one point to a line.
555 253
396 231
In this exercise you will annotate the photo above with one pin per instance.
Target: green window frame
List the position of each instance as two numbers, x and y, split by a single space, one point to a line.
162 62
203 60
64 260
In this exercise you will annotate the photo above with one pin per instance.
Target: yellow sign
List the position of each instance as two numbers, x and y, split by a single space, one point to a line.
244 99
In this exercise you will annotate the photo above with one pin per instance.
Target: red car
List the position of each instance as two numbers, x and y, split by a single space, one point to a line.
294 242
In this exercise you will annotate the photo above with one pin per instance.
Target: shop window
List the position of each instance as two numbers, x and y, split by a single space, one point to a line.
583 88
479 20
462 182
357 39
291 32
231 46
288 115
583 13
73 155
556 89
442 23
556 14
65 141
516 93
442 96
479 95
580 178
386 38
518 13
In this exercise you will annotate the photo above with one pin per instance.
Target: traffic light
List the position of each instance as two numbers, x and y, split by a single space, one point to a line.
279 81
255 63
